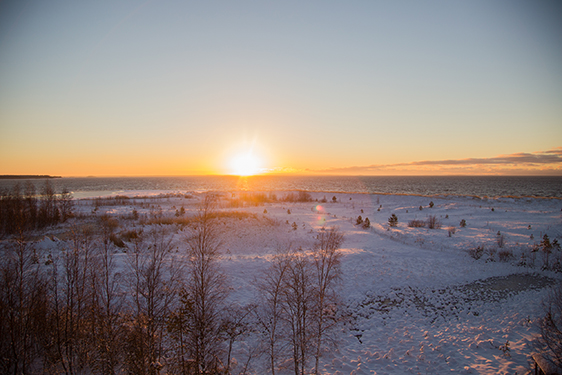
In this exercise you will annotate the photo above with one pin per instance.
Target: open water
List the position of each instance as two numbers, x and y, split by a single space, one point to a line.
479 186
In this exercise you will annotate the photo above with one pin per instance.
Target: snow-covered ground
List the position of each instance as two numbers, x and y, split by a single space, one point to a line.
419 303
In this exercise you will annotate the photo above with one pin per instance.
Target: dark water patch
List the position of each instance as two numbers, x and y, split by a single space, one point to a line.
476 186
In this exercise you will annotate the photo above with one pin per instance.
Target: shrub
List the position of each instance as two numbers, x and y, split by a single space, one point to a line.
334 199
500 240
505 255
393 220
416 223
359 220
302 196
476 252
421 208
129 235
116 240
294 225
491 254
462 223
431 204
433 222
366 223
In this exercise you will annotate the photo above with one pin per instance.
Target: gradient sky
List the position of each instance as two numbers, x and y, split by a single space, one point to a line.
356 87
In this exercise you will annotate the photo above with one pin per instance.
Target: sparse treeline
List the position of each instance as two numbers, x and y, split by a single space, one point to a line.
258 199
25 208
161 306
299 303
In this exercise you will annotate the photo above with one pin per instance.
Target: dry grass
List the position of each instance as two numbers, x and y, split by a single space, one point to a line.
186 221
476 252
416 223
433 222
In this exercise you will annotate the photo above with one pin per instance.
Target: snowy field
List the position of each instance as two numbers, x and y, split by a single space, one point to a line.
418 300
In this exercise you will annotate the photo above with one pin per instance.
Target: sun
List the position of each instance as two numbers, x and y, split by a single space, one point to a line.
245 165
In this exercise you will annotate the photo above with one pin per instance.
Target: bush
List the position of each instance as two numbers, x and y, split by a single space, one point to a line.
491 254
505 255
116 240
359 220
129 235
366 223
500 240
416 223
393 220
431 204
462 224
433 222
476 252
302 196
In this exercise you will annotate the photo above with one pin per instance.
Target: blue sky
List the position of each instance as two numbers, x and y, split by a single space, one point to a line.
180 87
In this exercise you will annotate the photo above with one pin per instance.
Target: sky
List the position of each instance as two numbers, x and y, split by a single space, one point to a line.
164 87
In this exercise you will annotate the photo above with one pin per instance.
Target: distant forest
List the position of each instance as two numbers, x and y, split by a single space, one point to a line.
25 176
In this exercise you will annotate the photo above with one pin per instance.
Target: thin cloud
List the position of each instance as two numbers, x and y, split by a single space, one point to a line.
545 160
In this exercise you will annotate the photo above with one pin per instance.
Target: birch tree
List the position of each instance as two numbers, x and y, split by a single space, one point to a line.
326 261
153 280
206 290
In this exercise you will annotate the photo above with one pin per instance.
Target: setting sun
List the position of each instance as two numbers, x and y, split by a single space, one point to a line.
245 165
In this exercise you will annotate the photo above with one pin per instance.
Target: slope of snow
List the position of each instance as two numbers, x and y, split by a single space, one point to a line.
418 302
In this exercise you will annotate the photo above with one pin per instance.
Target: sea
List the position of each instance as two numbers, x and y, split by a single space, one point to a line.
475 186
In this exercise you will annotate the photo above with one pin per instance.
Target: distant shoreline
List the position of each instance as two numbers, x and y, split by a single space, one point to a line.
25 177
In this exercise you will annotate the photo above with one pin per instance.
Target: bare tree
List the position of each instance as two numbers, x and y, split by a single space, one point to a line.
48 211
30 204
206 289
326 260
70 312
298 302
551 327
179 328
154 283
107 304
65 204
270 312
235 325
23 303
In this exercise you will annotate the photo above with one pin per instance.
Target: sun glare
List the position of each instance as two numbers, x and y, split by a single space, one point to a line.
245 165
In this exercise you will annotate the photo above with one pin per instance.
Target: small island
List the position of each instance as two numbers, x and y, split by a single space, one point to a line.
25 177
